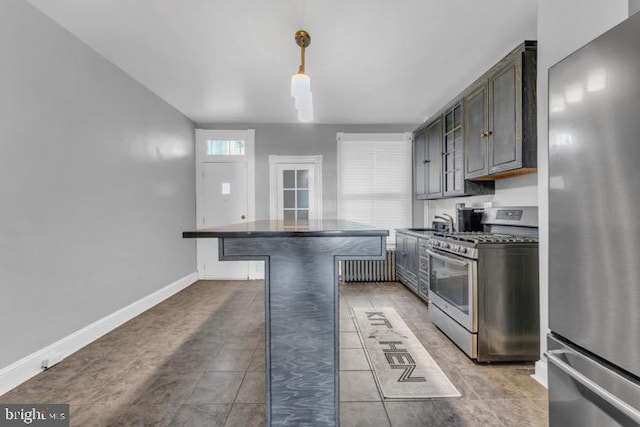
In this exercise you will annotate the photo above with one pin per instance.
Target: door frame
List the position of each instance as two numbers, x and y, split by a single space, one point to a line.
256 269
275 160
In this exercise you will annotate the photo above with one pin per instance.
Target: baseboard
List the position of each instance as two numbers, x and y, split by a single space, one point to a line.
27 367
541 372
256 272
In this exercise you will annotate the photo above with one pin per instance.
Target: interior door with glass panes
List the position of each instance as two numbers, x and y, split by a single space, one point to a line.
296 194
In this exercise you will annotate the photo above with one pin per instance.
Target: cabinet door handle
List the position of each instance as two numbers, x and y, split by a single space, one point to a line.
426 161
489 132
483 134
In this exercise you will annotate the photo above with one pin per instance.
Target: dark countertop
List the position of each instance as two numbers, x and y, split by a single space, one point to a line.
417 232
267 228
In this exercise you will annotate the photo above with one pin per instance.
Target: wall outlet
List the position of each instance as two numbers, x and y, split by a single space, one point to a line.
488 205
52 360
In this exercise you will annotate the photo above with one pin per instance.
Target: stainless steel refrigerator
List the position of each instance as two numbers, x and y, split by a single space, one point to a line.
594 212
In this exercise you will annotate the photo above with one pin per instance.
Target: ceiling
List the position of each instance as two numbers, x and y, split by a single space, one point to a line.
370 61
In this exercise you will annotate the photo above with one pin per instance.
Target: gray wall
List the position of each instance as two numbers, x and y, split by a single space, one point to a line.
302 140
96 185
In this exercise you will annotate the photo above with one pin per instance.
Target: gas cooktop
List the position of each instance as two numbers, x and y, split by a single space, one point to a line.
477 237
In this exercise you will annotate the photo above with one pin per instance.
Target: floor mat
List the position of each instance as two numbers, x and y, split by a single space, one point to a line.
401 365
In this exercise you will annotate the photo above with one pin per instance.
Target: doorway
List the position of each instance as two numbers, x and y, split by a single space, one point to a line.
225 188
295 189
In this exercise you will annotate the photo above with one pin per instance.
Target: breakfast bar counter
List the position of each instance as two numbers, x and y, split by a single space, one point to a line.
301 316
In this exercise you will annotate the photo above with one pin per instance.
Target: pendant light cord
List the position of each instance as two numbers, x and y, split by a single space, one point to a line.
301 58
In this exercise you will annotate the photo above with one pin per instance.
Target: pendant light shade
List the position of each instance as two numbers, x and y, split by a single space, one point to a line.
301 82
304 99
305 113
300 85
305 110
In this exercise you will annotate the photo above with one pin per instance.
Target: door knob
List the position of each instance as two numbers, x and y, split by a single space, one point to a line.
243 217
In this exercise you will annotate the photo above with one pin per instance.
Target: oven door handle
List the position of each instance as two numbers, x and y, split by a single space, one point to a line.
447 257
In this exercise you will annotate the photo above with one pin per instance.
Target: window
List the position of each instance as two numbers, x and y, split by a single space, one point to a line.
296 195
374 180
221 147
295 187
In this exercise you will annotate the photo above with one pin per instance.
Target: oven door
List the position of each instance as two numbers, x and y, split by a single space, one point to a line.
453 287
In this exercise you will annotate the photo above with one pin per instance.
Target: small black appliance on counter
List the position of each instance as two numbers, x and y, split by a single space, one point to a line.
469 219
440 226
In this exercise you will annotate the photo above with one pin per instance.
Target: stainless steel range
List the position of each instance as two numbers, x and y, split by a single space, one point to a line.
483 286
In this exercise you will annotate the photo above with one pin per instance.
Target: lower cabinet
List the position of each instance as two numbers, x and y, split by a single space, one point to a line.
412 268
423 270
407 259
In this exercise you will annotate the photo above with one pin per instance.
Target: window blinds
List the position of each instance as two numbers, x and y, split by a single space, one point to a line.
374 180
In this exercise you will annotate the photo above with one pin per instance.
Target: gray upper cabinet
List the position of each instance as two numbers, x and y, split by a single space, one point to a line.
433 161
505 134
475 125
428 161
453 153
488 132
500 118
419 166
440 167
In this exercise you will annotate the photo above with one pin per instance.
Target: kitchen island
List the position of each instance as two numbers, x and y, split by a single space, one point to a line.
302 312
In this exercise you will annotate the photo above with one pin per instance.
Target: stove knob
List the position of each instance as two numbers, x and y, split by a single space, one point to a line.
445 245
463 250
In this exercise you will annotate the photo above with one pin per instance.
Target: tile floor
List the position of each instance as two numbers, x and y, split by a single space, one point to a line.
197 359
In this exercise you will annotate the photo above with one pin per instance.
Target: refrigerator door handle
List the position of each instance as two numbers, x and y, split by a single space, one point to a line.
622 406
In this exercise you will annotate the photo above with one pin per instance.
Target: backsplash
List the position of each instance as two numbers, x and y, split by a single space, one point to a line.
517 191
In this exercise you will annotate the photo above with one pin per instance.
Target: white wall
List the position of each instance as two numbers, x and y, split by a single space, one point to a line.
96 185
563 27
517 191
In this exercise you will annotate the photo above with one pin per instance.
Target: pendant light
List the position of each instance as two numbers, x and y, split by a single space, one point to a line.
301 82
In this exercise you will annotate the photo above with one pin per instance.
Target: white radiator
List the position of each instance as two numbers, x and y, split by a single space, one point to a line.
370 271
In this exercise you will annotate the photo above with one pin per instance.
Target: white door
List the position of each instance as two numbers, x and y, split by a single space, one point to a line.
225 187
224 202
296 189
